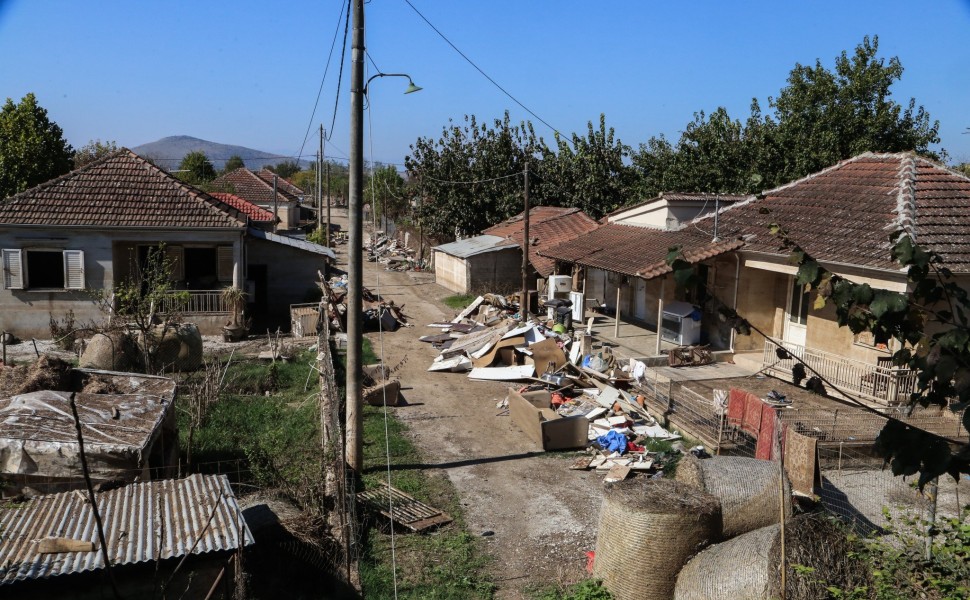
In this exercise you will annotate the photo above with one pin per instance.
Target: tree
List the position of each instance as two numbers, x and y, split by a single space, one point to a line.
32 147
818 119
285 169
386 188
824 117
590 173
92 151
470 178
234 162
196 168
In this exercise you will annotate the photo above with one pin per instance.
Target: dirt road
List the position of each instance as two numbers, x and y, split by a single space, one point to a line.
542 515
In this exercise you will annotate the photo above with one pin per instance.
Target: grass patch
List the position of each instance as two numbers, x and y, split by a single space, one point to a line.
274 439
458 301
588 589
445 564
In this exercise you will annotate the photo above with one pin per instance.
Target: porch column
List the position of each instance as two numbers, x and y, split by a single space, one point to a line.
660 310
616 325
237 264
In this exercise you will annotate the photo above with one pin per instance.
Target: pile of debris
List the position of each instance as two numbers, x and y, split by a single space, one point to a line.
378 315
395 252
574 397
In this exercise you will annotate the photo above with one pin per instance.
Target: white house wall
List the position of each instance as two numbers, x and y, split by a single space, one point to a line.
27 313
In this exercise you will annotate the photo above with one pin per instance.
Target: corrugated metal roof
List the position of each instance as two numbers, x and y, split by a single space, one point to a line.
480 244
292 242
142 522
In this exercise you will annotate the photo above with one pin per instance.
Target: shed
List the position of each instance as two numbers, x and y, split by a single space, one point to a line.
480 262
148 527
128 434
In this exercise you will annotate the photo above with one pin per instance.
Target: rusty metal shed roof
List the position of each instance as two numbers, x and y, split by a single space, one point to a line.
143 522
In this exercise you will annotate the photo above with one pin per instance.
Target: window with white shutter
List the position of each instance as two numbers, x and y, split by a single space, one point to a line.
13 269
226 263
74 269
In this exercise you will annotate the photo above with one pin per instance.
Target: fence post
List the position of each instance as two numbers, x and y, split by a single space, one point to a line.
931 493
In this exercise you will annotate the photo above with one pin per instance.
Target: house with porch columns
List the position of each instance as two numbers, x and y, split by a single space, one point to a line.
65 239
843 216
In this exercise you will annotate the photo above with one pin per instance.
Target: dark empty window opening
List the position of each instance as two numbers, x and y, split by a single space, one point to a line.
45 269
201 268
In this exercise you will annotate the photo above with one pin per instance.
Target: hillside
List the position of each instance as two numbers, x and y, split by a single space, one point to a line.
168 152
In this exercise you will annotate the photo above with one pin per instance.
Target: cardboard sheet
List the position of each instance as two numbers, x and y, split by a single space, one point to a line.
547 353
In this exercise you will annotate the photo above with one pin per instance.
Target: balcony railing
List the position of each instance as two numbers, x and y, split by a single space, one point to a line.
199 302
884 385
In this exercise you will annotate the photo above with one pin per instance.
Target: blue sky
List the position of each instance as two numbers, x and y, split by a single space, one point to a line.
247 73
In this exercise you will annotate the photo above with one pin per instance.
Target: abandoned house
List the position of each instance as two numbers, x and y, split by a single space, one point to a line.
87 230
843 216
267 190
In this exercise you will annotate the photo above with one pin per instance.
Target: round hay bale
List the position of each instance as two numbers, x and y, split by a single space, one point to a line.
177 347
112 351
648 528
746 487
747 567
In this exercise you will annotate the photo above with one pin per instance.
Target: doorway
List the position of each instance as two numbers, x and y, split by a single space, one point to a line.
796 316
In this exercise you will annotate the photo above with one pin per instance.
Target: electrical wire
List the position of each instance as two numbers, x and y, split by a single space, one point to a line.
340 74
486 75
380 337
326 70
474 181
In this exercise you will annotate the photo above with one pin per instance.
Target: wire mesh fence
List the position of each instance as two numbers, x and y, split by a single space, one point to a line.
856 485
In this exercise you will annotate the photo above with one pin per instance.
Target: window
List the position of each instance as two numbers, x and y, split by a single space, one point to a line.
42 269
798 308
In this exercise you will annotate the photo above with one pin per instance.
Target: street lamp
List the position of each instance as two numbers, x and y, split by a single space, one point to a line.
355 266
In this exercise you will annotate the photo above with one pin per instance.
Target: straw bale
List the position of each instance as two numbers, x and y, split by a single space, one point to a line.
747 567
747 488
47 373
648 529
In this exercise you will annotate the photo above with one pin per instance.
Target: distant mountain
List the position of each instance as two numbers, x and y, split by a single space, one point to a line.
169 151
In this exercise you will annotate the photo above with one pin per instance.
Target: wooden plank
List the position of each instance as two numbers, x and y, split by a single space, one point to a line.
403 508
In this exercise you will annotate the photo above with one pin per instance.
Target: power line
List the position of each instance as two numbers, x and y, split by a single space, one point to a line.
340 74
474 181
323 79
484 74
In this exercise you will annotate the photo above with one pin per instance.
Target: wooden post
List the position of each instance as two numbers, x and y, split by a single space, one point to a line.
660 312
3 344
524 302
932 489
616 324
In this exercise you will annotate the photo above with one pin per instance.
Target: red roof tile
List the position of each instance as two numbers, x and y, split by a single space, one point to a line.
256 187
844 214
550 225
637 251
119 190
255 213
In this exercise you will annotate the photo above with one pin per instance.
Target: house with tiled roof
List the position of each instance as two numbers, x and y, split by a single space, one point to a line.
492 261
843 216
258 217
266 190
95 226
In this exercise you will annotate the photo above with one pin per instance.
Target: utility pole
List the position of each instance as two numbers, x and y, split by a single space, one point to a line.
524 304
320 187
328 205
317 182
275 218
355 266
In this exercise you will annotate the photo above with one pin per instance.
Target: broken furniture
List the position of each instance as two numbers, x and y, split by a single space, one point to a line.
531 412
402 509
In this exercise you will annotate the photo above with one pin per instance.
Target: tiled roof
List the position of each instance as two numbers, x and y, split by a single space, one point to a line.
119 190
257 187
143 522
284 186
846 213
549 225
637 251
255 213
